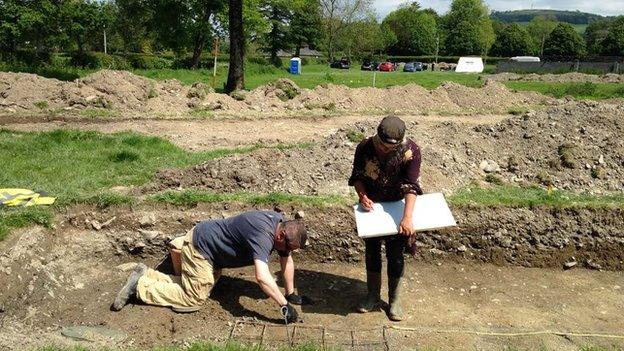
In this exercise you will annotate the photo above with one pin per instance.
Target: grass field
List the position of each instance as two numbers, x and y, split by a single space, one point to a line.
593 91
313 75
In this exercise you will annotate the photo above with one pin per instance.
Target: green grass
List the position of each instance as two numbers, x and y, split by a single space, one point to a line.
530 197
593 91
496 195
74 165
517 110
193 197
315 74
257 75
14 218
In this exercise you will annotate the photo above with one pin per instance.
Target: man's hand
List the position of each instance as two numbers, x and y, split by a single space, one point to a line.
299 300
367 204
406 227
290 313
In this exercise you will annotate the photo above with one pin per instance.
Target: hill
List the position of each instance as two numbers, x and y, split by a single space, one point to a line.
572 17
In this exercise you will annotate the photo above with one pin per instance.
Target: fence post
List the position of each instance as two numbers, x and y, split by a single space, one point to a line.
576 66
617 67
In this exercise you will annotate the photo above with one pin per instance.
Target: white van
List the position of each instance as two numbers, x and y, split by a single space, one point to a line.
525 59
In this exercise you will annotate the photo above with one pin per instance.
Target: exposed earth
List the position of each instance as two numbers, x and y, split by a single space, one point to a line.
495 281
123 94
68 276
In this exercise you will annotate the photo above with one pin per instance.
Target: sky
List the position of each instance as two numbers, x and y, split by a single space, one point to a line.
601 7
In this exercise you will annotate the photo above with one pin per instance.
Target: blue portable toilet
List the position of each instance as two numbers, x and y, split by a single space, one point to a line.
295 65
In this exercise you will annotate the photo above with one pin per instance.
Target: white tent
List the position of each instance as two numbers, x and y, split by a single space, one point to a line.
469 65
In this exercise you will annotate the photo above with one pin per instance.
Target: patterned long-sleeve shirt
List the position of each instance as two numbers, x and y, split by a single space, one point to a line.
390 179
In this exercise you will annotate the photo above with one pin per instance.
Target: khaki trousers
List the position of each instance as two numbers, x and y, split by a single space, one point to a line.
190 289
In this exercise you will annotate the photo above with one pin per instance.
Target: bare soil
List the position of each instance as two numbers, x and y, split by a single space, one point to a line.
69 275
208 134
120 93
572 146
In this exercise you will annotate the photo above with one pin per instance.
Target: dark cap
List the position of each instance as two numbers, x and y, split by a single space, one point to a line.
391 130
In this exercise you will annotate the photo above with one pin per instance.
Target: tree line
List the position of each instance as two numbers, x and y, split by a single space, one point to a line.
188 28
574 17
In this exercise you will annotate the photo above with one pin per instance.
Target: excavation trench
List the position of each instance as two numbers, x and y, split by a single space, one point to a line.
68 275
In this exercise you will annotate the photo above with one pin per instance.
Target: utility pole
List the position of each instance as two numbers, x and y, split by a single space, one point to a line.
105 39
214 66
437 47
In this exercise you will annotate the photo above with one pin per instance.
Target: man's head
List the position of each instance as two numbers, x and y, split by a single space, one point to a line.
391 130
291 235
390 134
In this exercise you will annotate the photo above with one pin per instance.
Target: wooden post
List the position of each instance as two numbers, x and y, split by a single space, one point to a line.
214 67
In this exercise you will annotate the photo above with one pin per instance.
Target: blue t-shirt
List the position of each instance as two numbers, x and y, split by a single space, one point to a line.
237 241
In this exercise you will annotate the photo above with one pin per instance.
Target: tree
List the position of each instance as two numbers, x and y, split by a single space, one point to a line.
613 43
540 28
279 15
183 25
469 28
236 72
362 38
594 34
415 30
30 24
337 14
82 22
512 40
564 41
135 25
306 24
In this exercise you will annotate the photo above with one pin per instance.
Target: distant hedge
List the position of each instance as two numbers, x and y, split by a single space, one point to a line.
97 60
27 57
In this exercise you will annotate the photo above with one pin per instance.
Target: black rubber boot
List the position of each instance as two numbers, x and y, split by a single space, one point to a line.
373 298
130 288
395 312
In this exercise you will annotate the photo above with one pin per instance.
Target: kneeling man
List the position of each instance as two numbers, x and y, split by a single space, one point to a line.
243 240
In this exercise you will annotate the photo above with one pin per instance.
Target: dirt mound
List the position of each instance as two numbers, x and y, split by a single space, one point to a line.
127 94
573 146
559 78
449 98
483 99
25 91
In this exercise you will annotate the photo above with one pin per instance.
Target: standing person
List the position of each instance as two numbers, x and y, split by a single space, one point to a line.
243 240
387 168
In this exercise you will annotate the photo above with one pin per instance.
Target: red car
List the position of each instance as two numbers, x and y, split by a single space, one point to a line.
386 67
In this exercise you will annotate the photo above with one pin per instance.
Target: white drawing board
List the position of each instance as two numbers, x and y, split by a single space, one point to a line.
430 212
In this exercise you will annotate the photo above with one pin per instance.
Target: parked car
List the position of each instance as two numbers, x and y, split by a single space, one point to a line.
386 67
413 67
343 63
368 65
